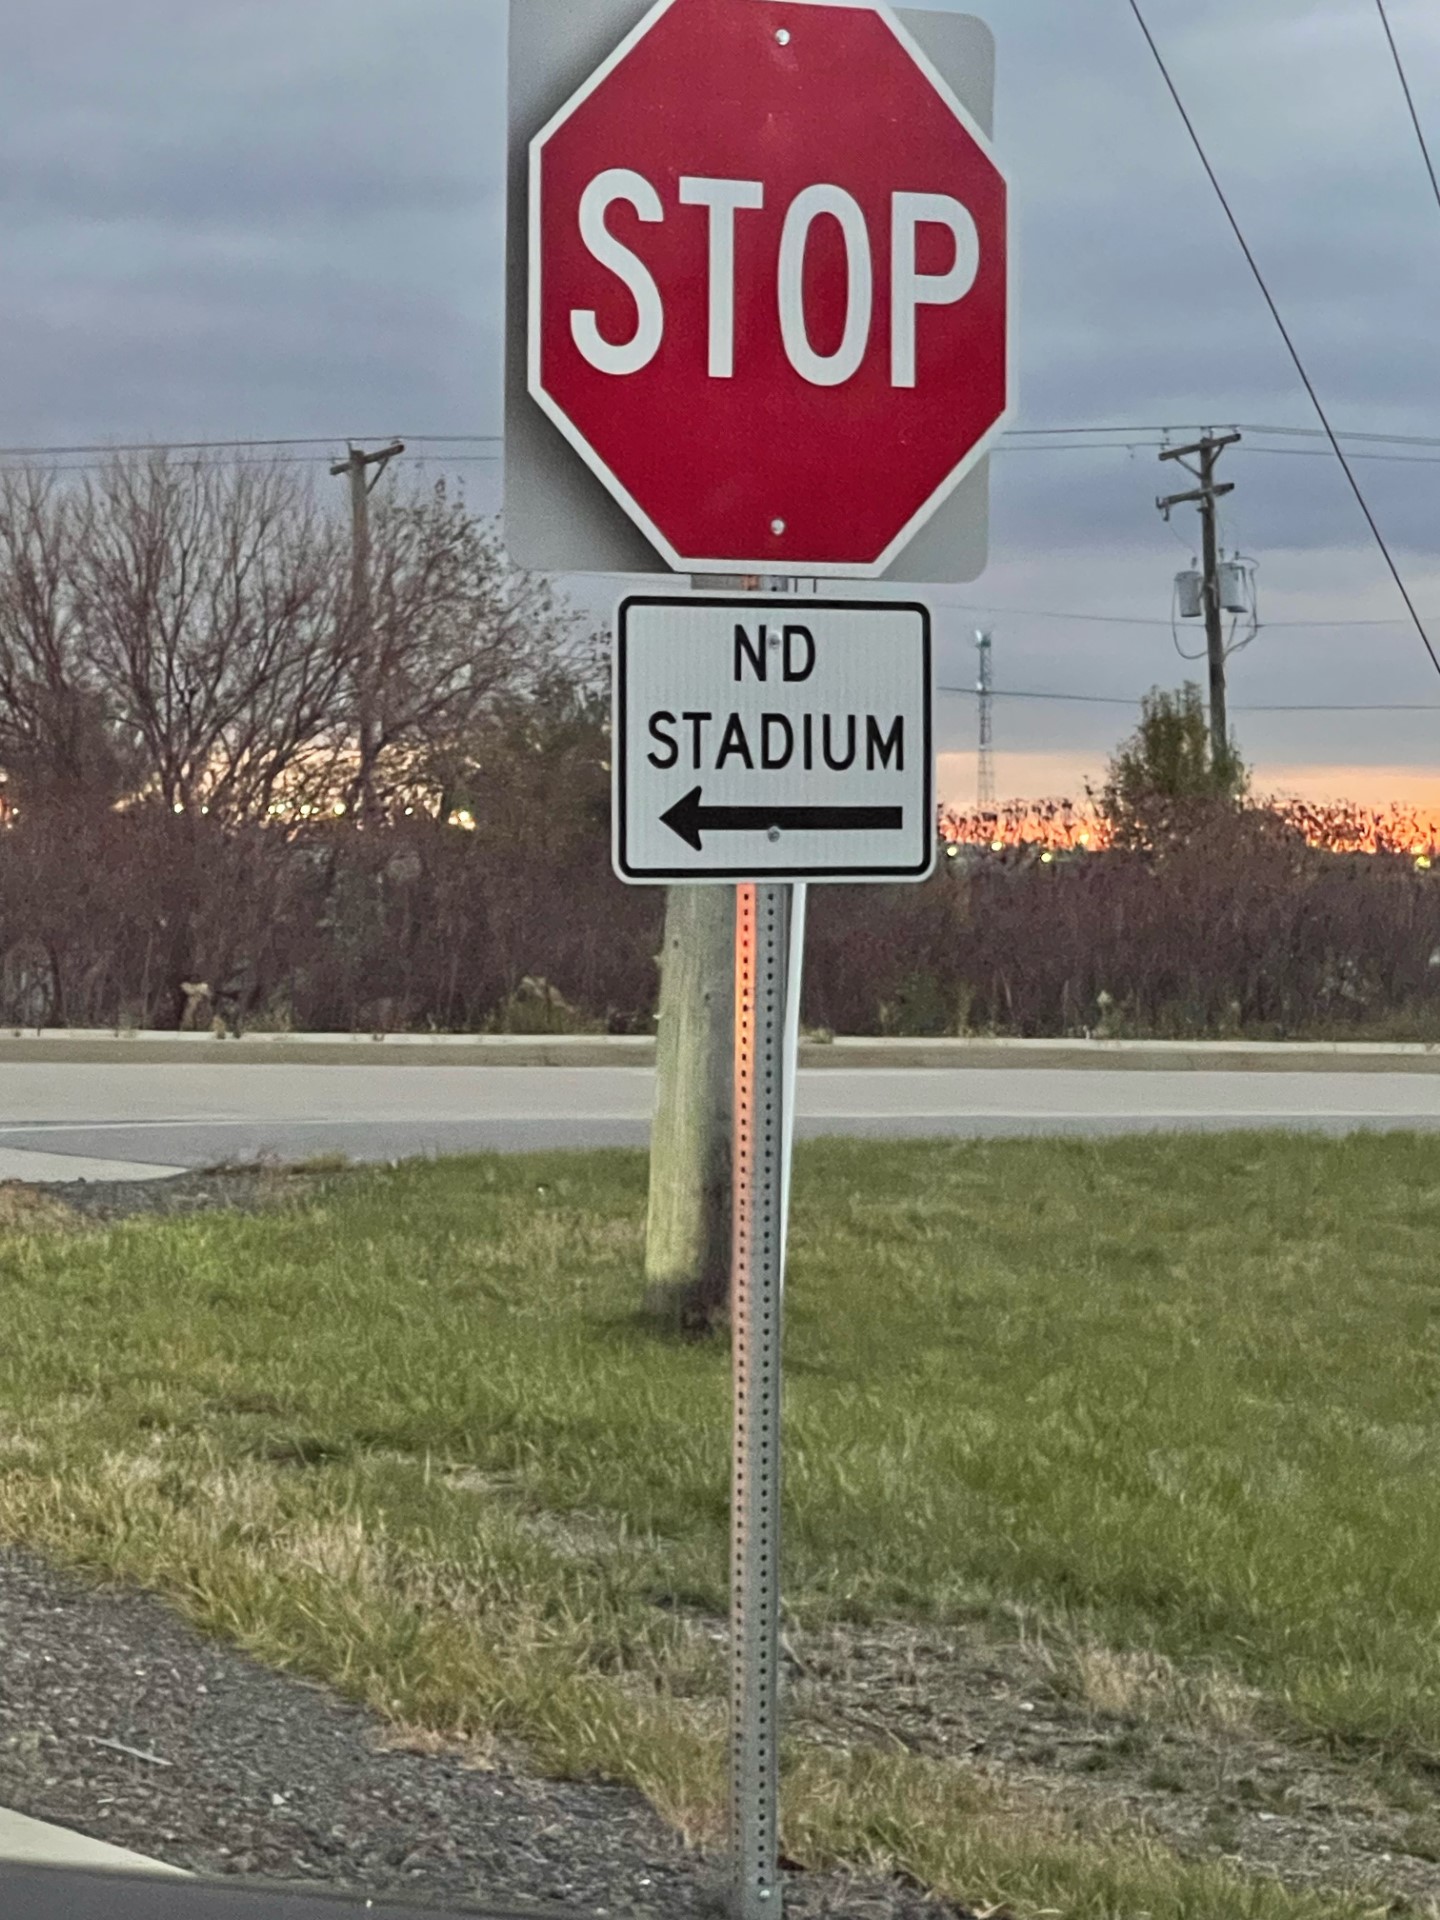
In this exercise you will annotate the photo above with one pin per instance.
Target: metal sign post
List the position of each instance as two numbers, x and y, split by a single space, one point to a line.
763 927
769 740
760 741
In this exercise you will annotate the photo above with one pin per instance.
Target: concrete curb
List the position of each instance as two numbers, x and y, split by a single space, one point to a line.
78 1047
37 1168
35 1843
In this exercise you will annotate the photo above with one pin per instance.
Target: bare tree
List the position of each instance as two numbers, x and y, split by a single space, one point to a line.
181 630
57 740
210 601
454 629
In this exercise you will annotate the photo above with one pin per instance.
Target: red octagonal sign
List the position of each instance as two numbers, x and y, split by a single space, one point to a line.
769 284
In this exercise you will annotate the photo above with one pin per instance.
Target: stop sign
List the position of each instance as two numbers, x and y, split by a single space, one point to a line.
769 284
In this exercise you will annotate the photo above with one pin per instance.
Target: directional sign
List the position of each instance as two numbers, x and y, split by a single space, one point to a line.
773 739
770 284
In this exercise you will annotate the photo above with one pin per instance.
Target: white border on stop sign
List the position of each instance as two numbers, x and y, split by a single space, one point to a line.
823 569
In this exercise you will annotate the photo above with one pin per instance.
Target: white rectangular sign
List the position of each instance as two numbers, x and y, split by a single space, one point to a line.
775 739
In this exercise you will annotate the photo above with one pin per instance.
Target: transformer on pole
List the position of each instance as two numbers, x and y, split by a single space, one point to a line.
1210 587
985 788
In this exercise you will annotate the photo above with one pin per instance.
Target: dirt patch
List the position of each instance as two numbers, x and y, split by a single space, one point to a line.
1122 1742
26 1209
574 1535
249 1189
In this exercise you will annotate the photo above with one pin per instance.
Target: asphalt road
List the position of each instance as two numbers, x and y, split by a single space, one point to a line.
47 1893
159 1117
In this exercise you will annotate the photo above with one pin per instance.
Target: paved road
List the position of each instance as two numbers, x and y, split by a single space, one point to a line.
157 1117
48 1893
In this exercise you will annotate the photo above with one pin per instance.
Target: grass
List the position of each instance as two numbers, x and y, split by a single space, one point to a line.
1175 1399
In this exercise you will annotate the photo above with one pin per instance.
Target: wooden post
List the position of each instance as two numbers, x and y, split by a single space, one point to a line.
355 467
687 1246
687 1242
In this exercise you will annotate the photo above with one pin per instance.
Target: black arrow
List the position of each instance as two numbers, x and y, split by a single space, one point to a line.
689 819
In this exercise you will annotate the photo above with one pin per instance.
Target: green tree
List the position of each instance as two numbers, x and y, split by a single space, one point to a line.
1166 781
533 770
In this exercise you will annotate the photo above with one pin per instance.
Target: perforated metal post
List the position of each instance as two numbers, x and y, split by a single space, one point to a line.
761 968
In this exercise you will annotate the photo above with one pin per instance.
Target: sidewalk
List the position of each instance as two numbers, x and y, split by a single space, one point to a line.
77 1047
19 1163
34 1843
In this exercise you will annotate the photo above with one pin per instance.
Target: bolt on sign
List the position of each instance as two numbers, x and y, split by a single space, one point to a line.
769 284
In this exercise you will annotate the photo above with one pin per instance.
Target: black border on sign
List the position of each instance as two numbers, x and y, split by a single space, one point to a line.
641 876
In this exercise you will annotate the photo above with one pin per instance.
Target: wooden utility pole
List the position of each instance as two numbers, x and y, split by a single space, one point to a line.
687 1242
1205 496
688 1232
356 466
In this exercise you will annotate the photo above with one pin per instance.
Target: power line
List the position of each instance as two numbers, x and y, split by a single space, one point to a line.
219 446
1323 453
271 460
1294 352
1239 426
1122 432
1409 101
1145 620
1114 700
1133 446
16 456
1081 446
1125 439
1055 613
1316 433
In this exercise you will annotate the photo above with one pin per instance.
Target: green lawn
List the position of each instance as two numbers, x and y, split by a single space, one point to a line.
1176 1395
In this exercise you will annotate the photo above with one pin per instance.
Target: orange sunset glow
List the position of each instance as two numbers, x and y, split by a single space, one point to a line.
1076 827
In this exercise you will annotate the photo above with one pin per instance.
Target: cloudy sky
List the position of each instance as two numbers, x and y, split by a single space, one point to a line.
272 218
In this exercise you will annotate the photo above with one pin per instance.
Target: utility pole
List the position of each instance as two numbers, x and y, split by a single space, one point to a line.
985 785
688 1238
356 466
689 1225
1205 497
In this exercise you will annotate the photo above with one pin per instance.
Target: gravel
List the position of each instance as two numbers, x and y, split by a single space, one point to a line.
244 1189
235 1769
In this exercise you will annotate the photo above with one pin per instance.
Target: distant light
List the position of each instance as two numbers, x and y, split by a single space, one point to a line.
1424 863
338 808
997 846
952 853
1084 840
1047 859
179 806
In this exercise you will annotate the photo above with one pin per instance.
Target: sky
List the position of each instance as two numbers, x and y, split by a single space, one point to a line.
276 218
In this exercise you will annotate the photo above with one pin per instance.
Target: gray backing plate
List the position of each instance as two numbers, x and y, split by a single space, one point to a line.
558 517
